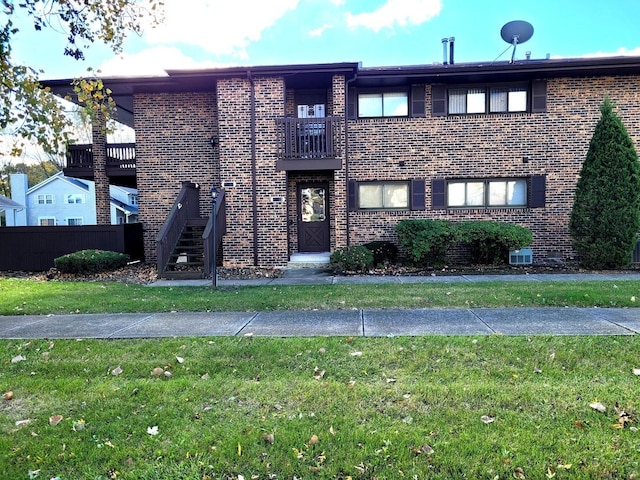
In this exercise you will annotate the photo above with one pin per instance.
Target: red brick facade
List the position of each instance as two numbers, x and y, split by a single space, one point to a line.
174 133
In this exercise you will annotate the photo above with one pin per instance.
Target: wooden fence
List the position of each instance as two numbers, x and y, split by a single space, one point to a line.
33 249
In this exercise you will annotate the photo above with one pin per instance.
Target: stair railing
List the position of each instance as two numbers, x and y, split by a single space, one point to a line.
186 206
212 245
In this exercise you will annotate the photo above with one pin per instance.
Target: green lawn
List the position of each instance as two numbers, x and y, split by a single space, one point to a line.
385 408
22 296
337 408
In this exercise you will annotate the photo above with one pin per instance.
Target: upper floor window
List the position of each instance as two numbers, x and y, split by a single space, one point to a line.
44 199
487 193
387 195
75 198
383 104
485 99
133 199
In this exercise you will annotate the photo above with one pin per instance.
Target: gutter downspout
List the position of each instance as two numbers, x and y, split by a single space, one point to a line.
346 151
254 194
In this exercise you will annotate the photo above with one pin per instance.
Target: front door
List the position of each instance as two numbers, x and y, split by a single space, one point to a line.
313 217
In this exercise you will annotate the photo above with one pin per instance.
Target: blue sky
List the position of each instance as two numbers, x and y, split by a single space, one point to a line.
210 33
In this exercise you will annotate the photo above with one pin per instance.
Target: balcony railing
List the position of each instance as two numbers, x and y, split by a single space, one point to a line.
121 159
307 139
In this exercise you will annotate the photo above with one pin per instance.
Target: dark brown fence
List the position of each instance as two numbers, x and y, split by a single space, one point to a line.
33 249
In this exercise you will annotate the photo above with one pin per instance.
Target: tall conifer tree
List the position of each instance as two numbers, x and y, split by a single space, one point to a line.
605 218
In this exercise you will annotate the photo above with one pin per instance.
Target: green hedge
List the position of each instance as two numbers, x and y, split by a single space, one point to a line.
383 252
351 259
90 261
427 242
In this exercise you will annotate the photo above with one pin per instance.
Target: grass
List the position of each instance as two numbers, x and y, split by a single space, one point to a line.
23 296
339 408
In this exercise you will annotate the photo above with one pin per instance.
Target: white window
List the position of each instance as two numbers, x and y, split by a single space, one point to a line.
487 193
75 198
44 199
46 221
133 199
384 104
483 100
74 221
393 195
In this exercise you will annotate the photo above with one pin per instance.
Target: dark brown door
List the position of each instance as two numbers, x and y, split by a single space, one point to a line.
313 217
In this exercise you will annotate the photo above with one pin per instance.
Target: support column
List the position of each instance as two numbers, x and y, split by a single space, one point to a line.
99 149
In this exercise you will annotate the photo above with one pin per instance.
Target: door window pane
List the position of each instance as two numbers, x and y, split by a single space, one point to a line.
312 204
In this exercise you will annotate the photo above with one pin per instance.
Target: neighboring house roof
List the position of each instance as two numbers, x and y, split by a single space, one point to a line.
128 190
60 177
8 204
126 208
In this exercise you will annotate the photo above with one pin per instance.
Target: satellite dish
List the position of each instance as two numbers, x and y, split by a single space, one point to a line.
515 32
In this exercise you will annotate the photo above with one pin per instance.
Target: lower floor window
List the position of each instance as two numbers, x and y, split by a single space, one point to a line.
74 221
47 221
489 193
380 195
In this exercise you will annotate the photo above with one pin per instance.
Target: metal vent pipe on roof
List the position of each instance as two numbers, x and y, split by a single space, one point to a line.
445 43
451 40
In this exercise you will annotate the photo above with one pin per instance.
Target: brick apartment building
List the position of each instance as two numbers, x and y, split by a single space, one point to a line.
318 156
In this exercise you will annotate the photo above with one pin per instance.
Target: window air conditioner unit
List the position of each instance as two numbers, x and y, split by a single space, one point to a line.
524 256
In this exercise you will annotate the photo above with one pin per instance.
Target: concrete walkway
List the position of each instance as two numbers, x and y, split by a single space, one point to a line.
366 323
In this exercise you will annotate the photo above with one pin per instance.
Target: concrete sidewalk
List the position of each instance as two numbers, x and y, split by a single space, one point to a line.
364 323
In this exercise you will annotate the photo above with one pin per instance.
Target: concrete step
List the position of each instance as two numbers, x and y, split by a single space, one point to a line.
309 260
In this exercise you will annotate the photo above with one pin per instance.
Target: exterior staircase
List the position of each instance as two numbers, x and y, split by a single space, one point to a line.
186 261
309 260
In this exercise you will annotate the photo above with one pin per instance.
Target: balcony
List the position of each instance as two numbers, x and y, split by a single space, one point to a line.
121 161
308 143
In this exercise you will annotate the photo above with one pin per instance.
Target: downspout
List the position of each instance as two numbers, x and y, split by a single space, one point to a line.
254 194
346 150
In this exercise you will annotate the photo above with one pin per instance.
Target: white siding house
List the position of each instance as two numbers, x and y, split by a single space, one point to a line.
61 200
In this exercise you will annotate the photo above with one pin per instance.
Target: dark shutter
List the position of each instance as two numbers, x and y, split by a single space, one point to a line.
537 188
417 194
352 188
418 101
438 196
351 103
438 100
539 96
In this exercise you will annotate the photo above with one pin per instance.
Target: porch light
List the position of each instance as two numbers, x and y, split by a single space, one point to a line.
213 141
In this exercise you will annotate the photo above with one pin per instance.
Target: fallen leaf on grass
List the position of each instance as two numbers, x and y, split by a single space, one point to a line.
598 406
356 354
424 449
156 372
179 359
55 419
269 438
8 395
313 440
519 473
22 423
636 371
19 358
153 430
116 371
205 376
487 419
317 373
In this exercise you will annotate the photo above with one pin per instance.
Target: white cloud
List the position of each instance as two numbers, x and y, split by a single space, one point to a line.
317 32
621 52
151 62
396 12
223 27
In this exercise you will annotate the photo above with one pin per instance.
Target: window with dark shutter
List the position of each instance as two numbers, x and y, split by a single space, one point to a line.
417 194
438 100
438 195
352 203
539 96
537 191
417 101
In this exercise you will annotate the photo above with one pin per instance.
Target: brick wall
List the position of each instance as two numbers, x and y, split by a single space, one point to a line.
484 146
173 133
